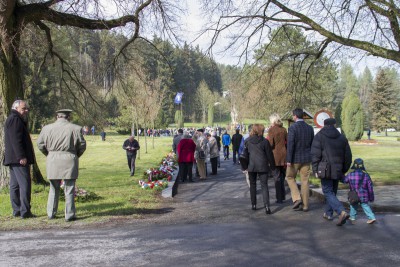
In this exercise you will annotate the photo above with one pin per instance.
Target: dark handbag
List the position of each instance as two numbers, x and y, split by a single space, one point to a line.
202 154
324 170
352 196
244 159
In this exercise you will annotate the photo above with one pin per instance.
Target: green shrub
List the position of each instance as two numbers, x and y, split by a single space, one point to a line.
352 117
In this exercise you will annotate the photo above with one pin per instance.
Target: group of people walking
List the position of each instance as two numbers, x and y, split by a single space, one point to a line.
302 153
283 155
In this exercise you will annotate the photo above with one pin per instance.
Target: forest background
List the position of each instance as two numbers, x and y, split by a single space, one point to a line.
141 89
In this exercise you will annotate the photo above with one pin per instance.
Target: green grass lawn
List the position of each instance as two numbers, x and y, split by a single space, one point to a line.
103 170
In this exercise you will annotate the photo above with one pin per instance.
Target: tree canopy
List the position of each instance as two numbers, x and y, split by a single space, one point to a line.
371 26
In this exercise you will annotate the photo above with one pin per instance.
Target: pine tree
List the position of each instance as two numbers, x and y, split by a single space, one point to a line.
383 102
352 117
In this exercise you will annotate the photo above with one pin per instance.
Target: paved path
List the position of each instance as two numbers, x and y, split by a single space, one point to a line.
210 223
387 198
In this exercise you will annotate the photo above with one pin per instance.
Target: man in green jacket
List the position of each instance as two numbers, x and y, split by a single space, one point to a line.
63 143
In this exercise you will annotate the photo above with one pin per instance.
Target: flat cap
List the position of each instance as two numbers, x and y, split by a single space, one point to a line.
329 121
64 111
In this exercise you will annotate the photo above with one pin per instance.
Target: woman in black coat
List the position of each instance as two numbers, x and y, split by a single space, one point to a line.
260 163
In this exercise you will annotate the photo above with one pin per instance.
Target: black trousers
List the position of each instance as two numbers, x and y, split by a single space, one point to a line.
20 189
280 191
185 170
264 187
214 165
235 152
131 162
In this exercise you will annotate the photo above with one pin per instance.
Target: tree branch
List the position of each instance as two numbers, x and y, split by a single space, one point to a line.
363 45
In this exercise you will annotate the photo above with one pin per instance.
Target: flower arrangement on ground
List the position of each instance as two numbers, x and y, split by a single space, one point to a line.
81 195
158 177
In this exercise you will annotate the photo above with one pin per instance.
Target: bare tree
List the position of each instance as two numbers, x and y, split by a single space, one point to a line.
371 26
136 16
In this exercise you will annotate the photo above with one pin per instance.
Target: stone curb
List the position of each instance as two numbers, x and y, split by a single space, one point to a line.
172 188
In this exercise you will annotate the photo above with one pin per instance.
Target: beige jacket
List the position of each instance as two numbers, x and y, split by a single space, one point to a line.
63 143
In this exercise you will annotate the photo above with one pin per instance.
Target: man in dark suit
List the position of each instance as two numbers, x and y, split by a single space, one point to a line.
19 155
236 140
298 158
131 145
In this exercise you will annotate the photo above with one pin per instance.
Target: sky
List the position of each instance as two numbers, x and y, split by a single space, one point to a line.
194 21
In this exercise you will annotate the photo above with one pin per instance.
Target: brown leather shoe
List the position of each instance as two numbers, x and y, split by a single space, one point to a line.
296 204
342 218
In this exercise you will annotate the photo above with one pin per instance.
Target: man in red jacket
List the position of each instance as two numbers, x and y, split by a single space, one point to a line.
185 150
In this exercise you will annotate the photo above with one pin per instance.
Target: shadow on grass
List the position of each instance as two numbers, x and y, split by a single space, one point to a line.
117 209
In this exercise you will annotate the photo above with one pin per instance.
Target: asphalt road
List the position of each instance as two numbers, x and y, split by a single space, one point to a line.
211 224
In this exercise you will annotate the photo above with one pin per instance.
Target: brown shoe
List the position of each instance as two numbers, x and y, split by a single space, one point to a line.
371 221
342 218
296 204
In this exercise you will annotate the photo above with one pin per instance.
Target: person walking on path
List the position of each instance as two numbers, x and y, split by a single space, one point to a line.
214 152
361 182
186 149
19 154
241 149
260 164
63 144
176 140
131 145
226 141
330 146
298 159
201 153
236 140
277 137
214 134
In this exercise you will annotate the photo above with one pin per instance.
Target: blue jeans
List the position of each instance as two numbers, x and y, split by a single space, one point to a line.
226 152
329 188
366 208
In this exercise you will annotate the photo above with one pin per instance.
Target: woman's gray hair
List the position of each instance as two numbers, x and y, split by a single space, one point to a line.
17 103
275 119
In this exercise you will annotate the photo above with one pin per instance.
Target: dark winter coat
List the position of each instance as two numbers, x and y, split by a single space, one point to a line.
330 144
261 158
18 143
300 138
236 140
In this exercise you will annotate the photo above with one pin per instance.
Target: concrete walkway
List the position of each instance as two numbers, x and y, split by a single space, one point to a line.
387 198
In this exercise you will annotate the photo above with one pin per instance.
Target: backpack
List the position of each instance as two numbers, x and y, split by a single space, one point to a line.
352 196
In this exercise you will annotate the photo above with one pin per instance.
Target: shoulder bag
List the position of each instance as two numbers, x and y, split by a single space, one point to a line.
324 167
244 158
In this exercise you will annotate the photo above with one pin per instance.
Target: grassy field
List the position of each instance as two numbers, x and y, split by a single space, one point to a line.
104 171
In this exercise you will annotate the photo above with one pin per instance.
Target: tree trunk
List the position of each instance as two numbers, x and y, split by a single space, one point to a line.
10 89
